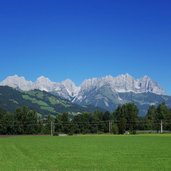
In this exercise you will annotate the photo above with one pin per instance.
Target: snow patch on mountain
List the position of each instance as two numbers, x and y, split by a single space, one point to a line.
71 87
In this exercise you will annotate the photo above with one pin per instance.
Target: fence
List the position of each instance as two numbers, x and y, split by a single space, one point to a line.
98 127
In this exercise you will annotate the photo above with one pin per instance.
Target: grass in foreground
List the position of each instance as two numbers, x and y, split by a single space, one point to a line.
86 153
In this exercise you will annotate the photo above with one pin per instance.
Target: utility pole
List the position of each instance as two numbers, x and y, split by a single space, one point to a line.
110 126
51 128
161 131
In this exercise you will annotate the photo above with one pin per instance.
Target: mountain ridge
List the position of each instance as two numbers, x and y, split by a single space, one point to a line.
43 102
121 83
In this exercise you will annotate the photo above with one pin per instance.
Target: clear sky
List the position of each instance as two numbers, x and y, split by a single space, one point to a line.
80 39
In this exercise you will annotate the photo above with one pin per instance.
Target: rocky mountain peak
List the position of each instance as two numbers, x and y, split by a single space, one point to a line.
68 89
17 82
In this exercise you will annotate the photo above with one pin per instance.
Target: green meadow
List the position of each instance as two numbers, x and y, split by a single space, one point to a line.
86 153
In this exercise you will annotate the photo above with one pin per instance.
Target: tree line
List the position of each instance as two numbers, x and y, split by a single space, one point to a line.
123 120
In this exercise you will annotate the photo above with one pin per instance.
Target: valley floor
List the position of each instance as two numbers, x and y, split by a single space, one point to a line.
86 153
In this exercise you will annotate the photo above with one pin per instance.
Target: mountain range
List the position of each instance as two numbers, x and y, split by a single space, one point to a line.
43 102
106 92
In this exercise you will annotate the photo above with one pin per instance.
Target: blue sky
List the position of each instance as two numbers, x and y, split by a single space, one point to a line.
81 39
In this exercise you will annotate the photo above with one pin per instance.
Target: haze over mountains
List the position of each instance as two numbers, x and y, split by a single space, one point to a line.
106 92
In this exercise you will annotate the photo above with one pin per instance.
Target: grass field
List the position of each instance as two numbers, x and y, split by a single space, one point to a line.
86 153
